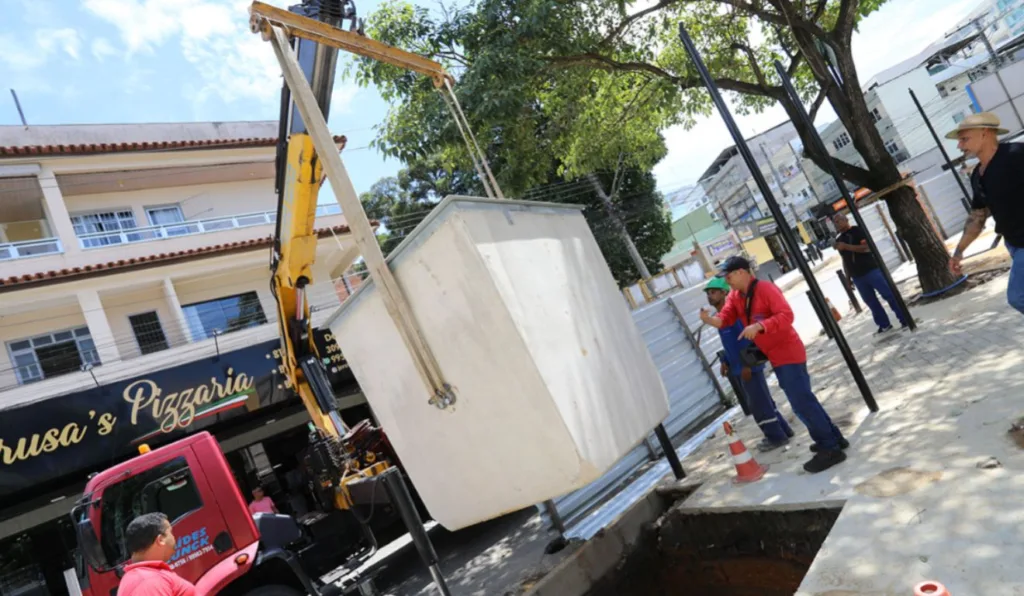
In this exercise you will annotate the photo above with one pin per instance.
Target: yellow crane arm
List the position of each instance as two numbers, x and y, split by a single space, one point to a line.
300 173
264 16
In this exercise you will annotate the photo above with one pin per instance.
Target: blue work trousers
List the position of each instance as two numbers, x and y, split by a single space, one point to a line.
870 286
796 383
1015 289
762 406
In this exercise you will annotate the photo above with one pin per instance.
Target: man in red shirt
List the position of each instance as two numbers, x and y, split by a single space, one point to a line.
768 322
151 542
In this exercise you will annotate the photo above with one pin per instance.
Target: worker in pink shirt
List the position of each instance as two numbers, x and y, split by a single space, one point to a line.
151 542
261 503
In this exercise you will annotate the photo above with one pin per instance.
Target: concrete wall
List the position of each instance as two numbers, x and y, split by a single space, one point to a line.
202 201
1003 94
118 306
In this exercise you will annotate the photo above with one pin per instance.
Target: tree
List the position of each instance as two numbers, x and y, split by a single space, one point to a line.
400 203
588 80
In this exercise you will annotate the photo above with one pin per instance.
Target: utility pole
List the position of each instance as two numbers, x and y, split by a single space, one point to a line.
800 166
775 174
976 21
638 261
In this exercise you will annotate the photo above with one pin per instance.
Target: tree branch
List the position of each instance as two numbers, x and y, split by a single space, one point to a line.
786 17
758 74
819 10
632 19
816 104
595 60
843 31
794 64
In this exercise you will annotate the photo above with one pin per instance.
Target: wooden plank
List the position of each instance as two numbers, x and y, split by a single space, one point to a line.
362 231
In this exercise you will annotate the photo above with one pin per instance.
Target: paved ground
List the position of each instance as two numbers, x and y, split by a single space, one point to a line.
916 506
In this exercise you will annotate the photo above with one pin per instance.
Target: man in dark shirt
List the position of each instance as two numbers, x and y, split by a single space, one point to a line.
998 186
861 268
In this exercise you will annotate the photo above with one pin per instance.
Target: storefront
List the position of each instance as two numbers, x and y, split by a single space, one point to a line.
48 449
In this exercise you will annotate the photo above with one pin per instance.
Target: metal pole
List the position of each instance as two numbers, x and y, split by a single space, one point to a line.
938 142
849 290
402 500
794 98
670 452
17 104
787 234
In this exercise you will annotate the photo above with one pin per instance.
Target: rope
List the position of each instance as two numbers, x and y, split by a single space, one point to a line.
472 154
483 157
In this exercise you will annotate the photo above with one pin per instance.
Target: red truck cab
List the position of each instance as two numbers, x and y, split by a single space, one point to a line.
219 546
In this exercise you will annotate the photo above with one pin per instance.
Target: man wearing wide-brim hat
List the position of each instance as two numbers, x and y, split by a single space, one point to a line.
998 186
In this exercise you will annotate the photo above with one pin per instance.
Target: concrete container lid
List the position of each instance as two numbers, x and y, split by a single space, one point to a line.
434 219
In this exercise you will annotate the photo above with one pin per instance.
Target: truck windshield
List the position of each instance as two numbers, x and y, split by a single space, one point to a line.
168 488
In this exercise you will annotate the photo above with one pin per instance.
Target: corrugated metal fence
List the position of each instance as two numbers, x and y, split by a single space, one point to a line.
693 396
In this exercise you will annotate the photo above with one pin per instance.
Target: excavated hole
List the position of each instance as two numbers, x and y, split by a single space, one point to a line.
752 553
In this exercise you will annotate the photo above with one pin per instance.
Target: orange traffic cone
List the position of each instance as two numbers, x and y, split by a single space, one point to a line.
930 589
747 468
835 311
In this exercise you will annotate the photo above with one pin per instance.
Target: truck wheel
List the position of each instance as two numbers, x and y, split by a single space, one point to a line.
274 591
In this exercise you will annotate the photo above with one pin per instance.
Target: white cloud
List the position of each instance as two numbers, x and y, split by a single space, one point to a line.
899 30
67 39
342 97
232 63
21 54
101 48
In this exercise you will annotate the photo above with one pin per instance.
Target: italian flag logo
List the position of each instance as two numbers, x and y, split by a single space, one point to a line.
230 402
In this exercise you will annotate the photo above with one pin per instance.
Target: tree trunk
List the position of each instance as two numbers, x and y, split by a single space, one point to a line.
912 223
929 252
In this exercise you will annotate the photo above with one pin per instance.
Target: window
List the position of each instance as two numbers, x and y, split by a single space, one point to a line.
876 115
96 223
892 147
841 141
958 117
166 215
224 315
148 332
52 354
168 488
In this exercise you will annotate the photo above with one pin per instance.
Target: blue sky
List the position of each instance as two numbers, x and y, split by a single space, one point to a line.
102 61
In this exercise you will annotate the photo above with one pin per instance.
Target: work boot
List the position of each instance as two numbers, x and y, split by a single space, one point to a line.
766 445
843 444
824 460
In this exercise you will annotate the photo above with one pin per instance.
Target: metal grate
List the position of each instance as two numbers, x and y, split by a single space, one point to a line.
148 332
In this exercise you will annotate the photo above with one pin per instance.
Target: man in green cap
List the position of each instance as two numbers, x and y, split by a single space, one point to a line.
751 379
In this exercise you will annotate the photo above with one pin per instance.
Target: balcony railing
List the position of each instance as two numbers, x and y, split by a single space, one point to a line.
30 248
189 228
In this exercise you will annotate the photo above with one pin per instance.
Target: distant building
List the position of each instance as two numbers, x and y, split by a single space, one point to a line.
935 75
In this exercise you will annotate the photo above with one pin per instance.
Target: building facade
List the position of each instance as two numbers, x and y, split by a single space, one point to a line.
135 307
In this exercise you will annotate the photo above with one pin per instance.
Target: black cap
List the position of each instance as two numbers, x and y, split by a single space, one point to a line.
734 264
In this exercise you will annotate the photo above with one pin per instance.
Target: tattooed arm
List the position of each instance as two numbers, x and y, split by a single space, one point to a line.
975 225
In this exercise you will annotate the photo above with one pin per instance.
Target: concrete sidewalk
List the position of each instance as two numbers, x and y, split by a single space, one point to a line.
920 497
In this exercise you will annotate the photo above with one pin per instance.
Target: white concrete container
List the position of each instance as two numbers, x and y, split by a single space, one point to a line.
553 380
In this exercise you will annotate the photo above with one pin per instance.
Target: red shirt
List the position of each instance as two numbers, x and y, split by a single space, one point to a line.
779 342
153 578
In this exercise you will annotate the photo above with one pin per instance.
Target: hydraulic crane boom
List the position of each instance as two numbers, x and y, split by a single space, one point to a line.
312 28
